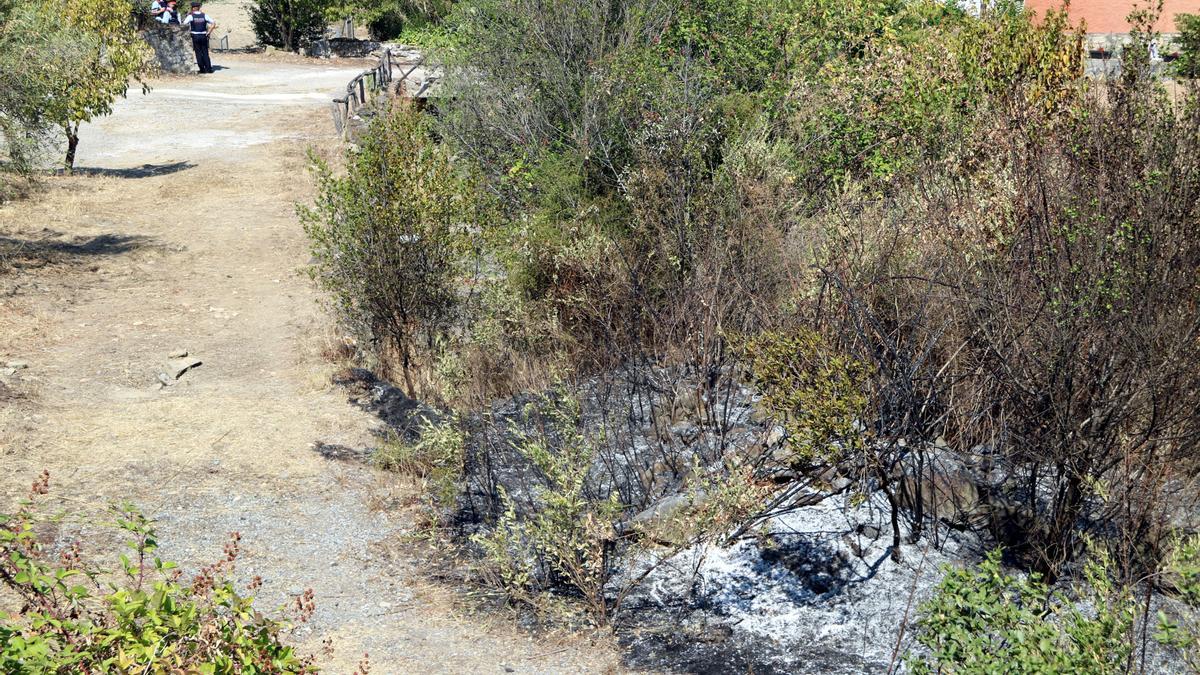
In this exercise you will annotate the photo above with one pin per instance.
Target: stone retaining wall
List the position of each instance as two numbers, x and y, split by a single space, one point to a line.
172 48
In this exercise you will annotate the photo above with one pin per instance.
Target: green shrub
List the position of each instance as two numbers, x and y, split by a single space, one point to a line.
390 20
436 458
143 618
1180 627
1188 42
912 88
817 393
389 238
569 538
984 620
287 24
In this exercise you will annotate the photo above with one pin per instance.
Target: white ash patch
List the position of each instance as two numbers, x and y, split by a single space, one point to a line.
821 576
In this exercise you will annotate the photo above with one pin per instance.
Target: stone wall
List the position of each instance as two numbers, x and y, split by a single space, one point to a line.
172 48
342 48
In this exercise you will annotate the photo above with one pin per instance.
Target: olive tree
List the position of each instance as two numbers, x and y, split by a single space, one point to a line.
72 59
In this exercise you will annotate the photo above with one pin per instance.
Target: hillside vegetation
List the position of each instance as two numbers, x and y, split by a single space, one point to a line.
637 242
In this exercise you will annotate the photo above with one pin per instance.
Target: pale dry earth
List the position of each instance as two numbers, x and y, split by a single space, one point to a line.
181 234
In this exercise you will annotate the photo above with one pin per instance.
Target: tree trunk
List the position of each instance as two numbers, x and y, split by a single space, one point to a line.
1058 546
889 491
406 366
72 143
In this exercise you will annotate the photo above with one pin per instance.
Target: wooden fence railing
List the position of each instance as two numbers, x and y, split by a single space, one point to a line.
366 87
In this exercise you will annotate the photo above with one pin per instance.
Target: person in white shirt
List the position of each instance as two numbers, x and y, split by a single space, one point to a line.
200 25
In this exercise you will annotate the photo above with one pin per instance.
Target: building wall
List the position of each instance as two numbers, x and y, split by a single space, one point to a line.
1108 16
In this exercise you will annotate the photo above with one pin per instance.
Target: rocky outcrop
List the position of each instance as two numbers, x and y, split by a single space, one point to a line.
172 48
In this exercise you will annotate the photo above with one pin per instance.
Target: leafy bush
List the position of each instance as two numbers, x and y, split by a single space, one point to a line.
1180 628
1025 305
144 618
816 392
69 62
984 620
436 458
958 255
389 235
287 24
568 534
390 20
569 538
1188 41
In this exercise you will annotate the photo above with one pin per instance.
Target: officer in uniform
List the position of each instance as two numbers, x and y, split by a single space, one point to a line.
200 25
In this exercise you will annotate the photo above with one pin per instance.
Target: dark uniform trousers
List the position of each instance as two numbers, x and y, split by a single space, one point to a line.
200 46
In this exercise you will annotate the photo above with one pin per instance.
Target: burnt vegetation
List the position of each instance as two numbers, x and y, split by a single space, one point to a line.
672 269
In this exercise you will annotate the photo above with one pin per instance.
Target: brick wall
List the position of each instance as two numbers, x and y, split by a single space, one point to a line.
1108 16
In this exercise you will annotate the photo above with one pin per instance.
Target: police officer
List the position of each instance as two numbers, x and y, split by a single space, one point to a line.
201 26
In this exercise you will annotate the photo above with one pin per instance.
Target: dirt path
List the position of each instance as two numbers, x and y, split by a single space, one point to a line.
183 236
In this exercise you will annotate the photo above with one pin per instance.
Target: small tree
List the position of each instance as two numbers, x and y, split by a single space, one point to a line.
76 58
26 56
1188 41
388 235
287 24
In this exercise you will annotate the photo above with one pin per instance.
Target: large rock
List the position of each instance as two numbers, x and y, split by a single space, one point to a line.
667 521
950 496
172 48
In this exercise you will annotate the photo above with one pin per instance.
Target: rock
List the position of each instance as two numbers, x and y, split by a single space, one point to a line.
686 432
177 354
869 531
851 542
828 474
947 495
177 367
172 48
318 49
17 365
164 380
783 475
665 520
776 436
783 455
8 372
351 48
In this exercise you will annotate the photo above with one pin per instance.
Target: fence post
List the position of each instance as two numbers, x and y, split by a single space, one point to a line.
359 92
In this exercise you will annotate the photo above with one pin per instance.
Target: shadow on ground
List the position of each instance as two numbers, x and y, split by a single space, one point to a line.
17 252
403 416
143 171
